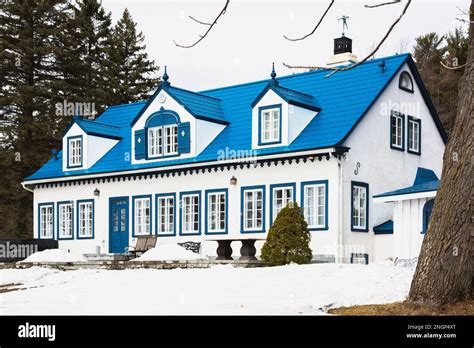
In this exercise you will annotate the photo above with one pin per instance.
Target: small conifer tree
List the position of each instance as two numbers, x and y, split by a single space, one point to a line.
288 238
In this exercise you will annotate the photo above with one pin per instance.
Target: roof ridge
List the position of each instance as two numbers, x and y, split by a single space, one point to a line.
126 104
100 123
197 93
298 74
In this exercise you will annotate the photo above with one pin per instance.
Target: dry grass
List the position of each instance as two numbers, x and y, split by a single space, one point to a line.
404 308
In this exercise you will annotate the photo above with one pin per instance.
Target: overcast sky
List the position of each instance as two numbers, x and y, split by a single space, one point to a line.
248 38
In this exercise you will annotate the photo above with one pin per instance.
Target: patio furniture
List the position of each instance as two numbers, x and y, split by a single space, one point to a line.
143 244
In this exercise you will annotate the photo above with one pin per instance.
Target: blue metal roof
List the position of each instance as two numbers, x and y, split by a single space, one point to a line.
384 228
98 128
344 99
425 180
290 96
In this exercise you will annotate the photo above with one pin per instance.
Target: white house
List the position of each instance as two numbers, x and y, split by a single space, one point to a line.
221 163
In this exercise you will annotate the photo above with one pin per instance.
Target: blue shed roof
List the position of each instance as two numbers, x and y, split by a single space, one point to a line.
344 98
384 228
290 96
425 180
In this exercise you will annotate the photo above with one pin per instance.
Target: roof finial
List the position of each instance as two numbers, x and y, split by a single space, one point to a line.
273 75
166 77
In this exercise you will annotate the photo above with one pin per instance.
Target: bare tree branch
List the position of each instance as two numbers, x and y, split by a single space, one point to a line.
210 25
334 70
383 4
316 27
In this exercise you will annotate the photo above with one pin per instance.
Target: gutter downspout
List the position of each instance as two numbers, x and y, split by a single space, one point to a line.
26 188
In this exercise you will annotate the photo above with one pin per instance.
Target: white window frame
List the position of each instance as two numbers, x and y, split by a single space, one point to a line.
141 216
397 130
414 137
85 225
166 215
75 152
46 221
254 200
65 220
217 212
190 215
270 125
162 141
285 200
359 207
315 212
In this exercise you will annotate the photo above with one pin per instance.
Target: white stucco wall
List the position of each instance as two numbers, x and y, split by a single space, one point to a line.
383 168
321 242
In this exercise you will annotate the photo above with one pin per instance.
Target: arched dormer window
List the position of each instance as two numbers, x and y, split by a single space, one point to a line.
427 209
164 135
405 83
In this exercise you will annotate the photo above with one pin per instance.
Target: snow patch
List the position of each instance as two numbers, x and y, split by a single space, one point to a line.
169 252
53 255
15 276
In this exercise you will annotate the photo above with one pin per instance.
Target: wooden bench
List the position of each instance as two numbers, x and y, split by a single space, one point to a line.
143 244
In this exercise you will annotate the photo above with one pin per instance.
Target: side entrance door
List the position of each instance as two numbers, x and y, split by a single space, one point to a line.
118 225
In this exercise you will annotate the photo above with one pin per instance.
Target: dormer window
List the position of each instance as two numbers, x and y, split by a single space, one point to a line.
75 149
163 141
405 83
270 124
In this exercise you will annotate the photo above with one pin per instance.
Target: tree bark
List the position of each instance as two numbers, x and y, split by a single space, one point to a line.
444 273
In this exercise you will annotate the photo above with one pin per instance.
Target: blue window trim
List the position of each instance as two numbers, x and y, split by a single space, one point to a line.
326 210
58 204
366 186
402 75
206 214
69 166
282 185
39 219
260 109
157 124
429 204
133 214
157 214
415 120
181 196
78 202
242 192
392 116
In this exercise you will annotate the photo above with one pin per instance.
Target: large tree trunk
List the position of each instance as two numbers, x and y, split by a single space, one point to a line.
444 273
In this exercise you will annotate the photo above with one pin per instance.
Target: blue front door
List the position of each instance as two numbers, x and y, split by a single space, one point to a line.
118 225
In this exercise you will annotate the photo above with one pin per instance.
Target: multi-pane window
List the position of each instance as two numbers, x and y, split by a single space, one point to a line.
270 125
253 209
396 130
216 212
360 206
163 141
142 215
165 216
414 135
46 221
65 220
190 214
314 204
85 213
75 151
281 197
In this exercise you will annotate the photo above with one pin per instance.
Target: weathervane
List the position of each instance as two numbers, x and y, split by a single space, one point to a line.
344 23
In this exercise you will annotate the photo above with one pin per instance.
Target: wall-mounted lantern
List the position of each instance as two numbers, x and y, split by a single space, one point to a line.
97 192
233 181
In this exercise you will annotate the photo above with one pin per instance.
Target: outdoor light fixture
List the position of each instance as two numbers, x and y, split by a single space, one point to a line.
233 180
97 192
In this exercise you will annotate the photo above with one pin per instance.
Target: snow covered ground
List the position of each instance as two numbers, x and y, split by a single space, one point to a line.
290 289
